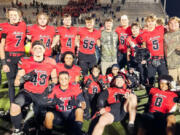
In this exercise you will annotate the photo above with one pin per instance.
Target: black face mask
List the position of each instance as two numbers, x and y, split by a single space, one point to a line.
67 66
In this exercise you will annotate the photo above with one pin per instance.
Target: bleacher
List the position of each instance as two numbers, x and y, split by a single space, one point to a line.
141 10
134 9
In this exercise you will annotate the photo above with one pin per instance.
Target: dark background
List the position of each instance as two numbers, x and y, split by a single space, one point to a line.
172 7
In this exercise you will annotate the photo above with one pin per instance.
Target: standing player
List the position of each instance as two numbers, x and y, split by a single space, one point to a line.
172 48
109 41
67 35
133 43
69 66
123 32
118 106
88 40
161 105
42 31
12 46
44 67
69 109
153 40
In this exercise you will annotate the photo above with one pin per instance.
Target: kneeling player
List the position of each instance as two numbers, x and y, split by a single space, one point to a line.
43 68
120 100
161 105
70 105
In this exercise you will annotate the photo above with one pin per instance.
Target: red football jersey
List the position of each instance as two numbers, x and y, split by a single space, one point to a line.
88 40
65 96
43 70
154 41
113 92
94 86
123 34
46 35
67 38
136 42
15 37
161 101
73 72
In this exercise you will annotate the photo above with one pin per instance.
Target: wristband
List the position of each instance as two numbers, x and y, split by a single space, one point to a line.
3 61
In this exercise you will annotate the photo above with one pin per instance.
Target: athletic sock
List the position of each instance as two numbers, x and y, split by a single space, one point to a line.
16 121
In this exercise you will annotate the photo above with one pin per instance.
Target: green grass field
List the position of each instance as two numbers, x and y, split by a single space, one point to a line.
114 129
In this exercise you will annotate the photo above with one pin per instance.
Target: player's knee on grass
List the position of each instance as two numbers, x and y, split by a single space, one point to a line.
15 109
79 114
171 120
48 122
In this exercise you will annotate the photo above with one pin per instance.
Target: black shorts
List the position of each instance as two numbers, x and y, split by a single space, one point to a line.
117 110
63 117
155 123
25 98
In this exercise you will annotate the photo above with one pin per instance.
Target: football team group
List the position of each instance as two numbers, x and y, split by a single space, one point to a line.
68 74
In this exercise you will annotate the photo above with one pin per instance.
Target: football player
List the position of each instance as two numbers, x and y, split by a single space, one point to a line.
161 106
153 40
42 68
120 101
69 66
12 46
42 31
93 85
88 40
70 107
123 32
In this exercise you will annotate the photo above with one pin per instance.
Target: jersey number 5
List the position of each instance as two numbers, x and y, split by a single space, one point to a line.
155 45
88 45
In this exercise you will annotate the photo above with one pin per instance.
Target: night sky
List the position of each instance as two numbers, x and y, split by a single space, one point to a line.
173 7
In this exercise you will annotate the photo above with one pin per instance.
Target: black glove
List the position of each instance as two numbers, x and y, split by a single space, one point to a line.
88 82
176 100
49 89
102 84
28 77
120 97
73 102
58 101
